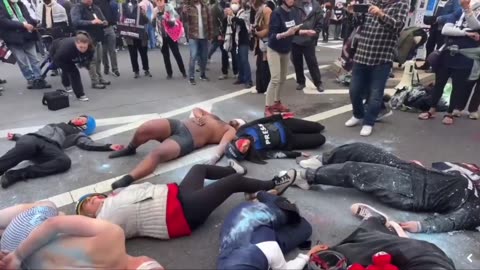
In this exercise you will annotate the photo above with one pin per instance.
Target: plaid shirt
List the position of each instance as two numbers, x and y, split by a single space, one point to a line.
379 36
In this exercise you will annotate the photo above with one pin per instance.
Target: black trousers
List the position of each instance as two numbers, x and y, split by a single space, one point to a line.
199 202
304 134
49 158
168 43
225 63
325 31
71 77
465 95
262 74
459 86
435 39
298 53
372 170
133 50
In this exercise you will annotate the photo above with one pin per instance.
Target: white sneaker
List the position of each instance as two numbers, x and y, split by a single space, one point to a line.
301 181
473 115
283 180
68 89
237 167
366 131
365 211
311 163
353 122
83 98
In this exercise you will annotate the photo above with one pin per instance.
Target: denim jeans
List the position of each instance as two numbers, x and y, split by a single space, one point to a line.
244 72
368 81
198 50
27 60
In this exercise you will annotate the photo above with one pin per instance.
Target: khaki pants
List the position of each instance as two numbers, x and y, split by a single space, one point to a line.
278 64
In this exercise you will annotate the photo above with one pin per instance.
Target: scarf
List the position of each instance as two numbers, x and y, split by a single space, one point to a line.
17 15
227 44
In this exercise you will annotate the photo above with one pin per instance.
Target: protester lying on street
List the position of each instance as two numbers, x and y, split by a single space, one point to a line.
374 246
255 235
168 211
45 148
74 242
66 54
450 189
17 222
177 138
274 137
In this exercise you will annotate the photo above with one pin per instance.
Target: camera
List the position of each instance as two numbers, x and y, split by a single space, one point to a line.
361 8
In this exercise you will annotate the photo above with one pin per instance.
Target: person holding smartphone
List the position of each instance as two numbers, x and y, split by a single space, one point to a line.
281 32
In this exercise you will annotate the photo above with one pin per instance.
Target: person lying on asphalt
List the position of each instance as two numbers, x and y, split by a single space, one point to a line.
450 189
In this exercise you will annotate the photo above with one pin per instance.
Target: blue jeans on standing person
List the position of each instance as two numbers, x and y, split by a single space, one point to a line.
244 72
368 81
152 38
27 60
198 50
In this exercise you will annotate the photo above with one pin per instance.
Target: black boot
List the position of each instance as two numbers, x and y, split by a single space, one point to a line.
8 179
123 182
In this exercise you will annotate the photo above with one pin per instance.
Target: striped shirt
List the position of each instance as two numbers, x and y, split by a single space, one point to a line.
23 224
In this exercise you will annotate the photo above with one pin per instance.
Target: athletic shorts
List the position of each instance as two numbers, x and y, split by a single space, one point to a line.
182 136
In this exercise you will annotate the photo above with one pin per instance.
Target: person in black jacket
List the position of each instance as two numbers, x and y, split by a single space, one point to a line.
450 189
240 15
273 137
67 54
45 148
88 17
311 15
18 31
109 45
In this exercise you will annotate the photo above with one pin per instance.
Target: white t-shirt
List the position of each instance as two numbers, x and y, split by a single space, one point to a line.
276 260
201 31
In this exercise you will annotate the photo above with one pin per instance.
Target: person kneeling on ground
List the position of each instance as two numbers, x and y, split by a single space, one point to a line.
177 138
273 137
168 211
373 239
66 54
255 235
45 148
84 243
450 189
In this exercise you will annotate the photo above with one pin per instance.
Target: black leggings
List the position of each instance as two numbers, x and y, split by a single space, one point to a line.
459 84
304 134
474 101
199 202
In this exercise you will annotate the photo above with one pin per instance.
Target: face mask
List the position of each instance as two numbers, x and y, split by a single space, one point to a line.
235 7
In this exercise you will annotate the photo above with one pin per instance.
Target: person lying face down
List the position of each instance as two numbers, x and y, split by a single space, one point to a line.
167 211
451 189
255 235
177 138
378 236
74 242
45 148
274 137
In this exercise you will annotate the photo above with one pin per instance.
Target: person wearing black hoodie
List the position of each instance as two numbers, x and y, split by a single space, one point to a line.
311 15
45 148
273 137
67 54
109 45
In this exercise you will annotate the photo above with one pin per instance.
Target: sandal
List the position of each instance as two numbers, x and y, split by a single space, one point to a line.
426 116
447 119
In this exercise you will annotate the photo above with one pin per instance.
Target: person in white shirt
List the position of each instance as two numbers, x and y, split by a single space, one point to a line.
255 235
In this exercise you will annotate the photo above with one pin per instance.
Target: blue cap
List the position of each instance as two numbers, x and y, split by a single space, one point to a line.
91 125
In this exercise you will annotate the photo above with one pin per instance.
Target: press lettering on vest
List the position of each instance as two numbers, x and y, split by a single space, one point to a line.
265 133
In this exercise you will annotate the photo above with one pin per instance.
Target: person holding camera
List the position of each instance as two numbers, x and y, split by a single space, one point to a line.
283 28
373 58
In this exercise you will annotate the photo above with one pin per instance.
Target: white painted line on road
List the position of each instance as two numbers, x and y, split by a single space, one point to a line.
195 157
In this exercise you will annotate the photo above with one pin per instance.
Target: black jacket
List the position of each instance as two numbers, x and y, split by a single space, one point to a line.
82 17
13 32
107 11
243 35
217 20
65 54
312 21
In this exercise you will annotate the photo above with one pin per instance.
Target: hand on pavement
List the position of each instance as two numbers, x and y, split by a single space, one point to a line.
411 226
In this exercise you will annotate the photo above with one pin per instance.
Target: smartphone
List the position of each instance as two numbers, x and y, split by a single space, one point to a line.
361 8
307 245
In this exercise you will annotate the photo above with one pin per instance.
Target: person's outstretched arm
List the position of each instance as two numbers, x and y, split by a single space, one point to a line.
86 143
226 139
74 225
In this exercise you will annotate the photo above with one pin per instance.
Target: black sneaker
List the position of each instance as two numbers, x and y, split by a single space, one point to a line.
7 181
204 78
192 81
148 74
169 77
40 84
386 110
136 75
320 88
184 75
116 73
3 81
98 86
300 87
106 72
104 82
282 182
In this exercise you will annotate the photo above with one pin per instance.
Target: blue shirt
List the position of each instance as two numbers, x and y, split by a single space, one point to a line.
23 224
